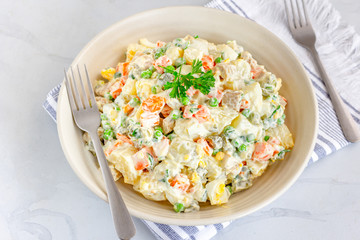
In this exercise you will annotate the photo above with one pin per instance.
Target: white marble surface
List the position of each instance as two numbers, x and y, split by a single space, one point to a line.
41 198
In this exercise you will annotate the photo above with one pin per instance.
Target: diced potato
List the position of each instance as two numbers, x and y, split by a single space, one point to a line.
132 49
282 133
151 188
143 88
190 129
227 52
174 53
129 87
121 158
253 94
190 54
217 192
145 42
244 127
221 117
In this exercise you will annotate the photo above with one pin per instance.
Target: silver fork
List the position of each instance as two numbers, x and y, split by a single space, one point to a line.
87 117
304 34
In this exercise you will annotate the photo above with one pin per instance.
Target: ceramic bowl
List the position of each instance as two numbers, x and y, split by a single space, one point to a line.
108 48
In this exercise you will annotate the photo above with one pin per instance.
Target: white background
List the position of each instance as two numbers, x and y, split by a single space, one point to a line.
41 198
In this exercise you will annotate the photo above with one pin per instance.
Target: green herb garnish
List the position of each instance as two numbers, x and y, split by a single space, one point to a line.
204 82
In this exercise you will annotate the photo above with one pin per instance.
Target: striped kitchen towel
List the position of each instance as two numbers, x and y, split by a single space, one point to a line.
339 48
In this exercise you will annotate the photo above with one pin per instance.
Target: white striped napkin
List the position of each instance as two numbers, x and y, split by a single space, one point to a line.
339 47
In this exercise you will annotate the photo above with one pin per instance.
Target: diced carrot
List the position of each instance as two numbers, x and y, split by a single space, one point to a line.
161 148
159 44
127 109
205 145
203 114
162 61
187 112
141 159
244 104
166 110
275 143
153 104
123 68
181 182
218 94
116 87
121 139
149 119
263 151
256 71
208 62
282 101
192 91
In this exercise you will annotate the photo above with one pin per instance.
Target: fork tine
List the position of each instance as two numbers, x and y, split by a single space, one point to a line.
77 95
91 92
300 9
306 17
295 17
69 92
85 95
289 15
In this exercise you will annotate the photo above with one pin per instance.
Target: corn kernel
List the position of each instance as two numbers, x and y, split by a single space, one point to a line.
186 157
220 191
200 151
202 164
226 60
108 73
195 177
220 156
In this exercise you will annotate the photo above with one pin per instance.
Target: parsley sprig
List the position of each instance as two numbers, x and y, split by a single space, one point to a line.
203 81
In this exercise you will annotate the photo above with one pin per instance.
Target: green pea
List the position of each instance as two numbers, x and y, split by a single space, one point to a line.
243 148
158 134
229 131
196 36
215 151
218 60
146 74
108 134
134 102
103 117
250 138
154 89
136 133
281 120
179 207
185 100
108 96
175 114
158 128
117 75
246 112
213 102
266 138
159 52
236 142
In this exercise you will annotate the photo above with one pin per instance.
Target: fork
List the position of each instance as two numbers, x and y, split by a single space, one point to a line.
87 117
304 34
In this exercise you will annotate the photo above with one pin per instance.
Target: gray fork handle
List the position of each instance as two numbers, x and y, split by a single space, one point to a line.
124 225
349 126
